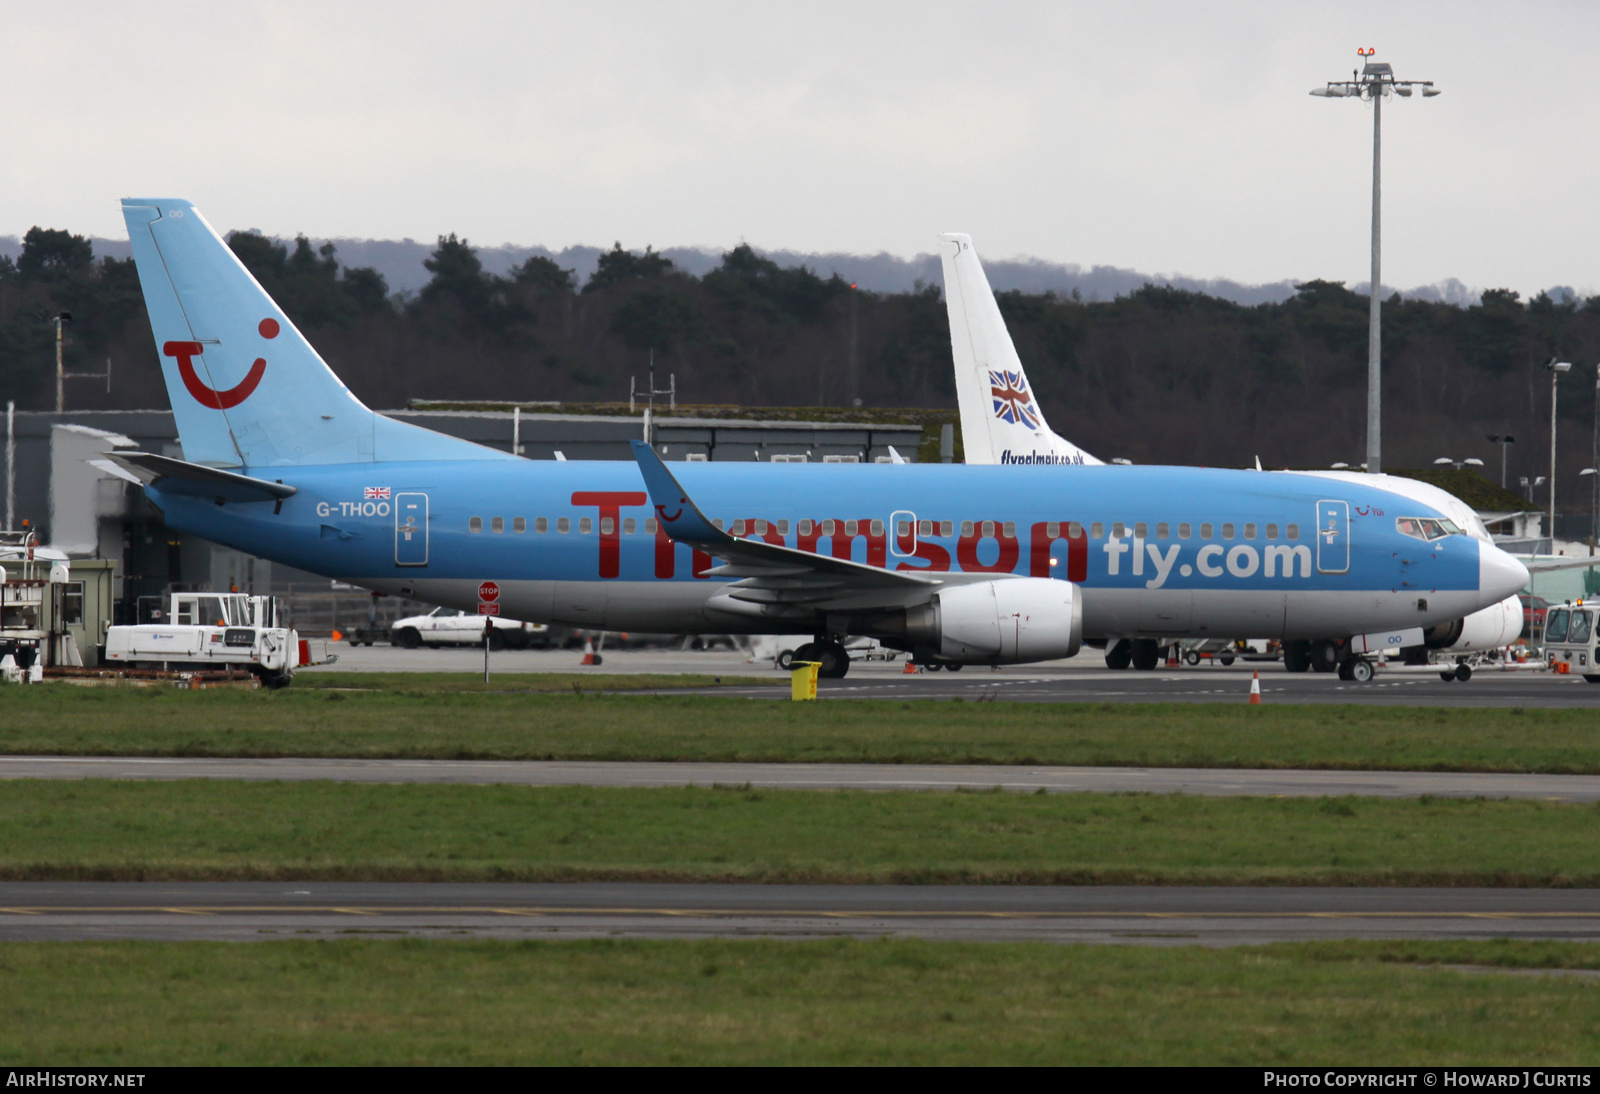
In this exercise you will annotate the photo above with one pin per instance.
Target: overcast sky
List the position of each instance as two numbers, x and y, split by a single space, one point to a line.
1167 137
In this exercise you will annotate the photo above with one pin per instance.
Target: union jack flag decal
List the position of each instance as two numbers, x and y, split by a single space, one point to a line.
1012 402
379 493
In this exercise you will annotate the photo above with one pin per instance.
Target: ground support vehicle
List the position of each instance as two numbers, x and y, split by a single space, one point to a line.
210 632
1570 642
450 627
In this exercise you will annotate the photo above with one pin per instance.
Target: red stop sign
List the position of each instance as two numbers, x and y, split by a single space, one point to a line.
488 592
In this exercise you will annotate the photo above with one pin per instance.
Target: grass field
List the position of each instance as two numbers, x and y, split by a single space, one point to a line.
202 830
131 1004
447 717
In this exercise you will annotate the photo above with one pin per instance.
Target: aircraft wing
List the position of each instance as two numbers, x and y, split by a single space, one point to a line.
773 581
1544 564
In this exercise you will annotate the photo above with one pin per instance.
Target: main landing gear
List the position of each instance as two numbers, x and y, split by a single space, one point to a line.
834 662
1143 654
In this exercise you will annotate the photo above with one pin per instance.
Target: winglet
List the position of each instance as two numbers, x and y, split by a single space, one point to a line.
681 519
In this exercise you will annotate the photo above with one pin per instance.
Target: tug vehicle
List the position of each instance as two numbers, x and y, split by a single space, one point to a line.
214 631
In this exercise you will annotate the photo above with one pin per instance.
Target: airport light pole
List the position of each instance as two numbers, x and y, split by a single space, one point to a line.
1556 369
1504 439
1373 83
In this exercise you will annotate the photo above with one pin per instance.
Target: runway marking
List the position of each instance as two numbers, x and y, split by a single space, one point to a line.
817 913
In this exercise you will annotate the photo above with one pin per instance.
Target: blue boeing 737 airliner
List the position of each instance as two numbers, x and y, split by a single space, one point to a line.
956 564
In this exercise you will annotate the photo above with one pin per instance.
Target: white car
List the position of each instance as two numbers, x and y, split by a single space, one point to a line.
450 627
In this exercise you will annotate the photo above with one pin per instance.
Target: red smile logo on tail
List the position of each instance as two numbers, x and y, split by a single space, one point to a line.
203 393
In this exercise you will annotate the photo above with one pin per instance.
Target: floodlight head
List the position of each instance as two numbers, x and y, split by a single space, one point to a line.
1473 461
1330 92
1561 366
1119 461
1444 459
1429 91
1341 466
1586 471
1403 92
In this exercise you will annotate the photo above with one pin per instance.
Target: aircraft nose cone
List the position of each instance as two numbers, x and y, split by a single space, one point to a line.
1499 575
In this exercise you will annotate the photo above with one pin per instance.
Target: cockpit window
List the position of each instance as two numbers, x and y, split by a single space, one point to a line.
1426 528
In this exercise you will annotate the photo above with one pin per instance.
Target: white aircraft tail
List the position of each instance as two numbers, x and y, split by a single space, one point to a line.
1000 420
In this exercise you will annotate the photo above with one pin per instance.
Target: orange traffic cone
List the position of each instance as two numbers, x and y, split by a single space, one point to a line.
1255 688
1172 656
588 653
910 669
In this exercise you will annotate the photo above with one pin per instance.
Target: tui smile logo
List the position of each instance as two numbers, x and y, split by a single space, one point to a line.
205 394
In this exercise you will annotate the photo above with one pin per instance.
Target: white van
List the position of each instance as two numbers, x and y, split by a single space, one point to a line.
1570 640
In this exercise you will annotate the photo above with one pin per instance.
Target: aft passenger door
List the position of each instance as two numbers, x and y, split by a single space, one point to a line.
1333 537
411 529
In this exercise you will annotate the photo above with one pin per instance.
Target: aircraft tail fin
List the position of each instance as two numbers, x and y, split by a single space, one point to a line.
247 389
1001 421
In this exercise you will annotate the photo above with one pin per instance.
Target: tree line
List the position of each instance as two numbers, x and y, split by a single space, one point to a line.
1157 375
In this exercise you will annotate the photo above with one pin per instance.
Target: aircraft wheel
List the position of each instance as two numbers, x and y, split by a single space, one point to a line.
1145 654
410 639
1191 658
1297 656
1463 673
1324 655
1119 655
1357 670
786 660
807 651
1589 678
1447 677
933 666
1226 659
953 666
835 661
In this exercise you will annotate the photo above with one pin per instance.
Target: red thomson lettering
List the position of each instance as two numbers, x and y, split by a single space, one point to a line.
967 549
937 557
609 502
203 393
667 557
842 541
1077 551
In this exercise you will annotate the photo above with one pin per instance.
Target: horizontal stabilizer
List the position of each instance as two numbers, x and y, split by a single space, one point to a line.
172 476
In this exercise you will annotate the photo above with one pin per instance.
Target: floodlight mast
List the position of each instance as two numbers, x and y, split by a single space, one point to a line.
1373 83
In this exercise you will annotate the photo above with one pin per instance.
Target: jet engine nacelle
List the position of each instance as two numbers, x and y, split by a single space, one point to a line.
1485 629
1004 622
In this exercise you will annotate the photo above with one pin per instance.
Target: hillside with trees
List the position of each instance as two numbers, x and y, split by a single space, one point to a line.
1157 375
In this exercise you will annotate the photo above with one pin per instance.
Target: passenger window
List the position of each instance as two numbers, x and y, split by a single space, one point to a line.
1052 529
1011 529
1097 530
737 529
828 527
1227 531
805 527
1119 530
628 525
966 529
877 527
1074 530
563 525
607 526
541 524
1249 531
902 529
849 527
1292 532
759 526
1578 629
1183 531
716 522
1163 530
783 527
947 528
649 526
987 529
925 528
1555 626
475 524
1141 530
497 525
585 526
1205 531
519 525
1272 531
